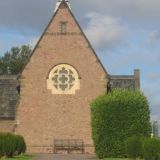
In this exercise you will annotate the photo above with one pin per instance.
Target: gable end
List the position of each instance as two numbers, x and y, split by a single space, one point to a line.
62 6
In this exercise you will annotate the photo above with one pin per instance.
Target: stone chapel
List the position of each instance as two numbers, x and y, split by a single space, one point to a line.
57 84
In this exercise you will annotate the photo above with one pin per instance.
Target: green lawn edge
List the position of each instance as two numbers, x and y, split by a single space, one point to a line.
118 159
22 157
115 159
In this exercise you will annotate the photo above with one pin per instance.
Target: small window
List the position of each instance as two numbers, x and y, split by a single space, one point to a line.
63 27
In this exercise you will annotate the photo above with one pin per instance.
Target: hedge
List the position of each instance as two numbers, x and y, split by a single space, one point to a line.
134 147
142 147
20 145
117 116
151 149
11 145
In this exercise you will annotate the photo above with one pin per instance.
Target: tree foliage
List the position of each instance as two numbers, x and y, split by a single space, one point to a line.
13 61
117 116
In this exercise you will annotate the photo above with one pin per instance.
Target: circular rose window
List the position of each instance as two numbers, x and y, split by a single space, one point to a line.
63 79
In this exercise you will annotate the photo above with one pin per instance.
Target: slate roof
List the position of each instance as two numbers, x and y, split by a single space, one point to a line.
8 96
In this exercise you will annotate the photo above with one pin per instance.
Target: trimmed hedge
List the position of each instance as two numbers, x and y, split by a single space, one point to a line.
20 145
11 145
117 116
141 147
134 147
151 149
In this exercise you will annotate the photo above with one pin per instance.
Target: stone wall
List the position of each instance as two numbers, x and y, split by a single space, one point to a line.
43 116
7 126
126 81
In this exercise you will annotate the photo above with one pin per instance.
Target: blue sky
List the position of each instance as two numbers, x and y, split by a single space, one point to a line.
124 33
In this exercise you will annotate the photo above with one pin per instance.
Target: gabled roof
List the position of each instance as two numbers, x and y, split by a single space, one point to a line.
64 5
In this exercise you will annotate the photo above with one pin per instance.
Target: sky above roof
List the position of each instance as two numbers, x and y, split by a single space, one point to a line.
124 33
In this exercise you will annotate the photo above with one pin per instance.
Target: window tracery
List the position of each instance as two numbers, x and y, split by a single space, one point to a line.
63 79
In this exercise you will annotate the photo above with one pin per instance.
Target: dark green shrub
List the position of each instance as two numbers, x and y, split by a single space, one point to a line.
11 144
151 149
117 116
134 147
2 138
20 145
5 146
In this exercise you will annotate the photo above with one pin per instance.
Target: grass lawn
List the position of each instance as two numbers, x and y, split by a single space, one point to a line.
119 159
116 159
24 157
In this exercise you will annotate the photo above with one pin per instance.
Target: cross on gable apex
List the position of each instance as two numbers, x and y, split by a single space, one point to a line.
59 2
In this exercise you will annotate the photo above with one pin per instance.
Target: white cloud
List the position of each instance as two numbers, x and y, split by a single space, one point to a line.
144 12
22 14
105 31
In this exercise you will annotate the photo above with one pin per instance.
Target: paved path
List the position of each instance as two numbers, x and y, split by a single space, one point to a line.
64 157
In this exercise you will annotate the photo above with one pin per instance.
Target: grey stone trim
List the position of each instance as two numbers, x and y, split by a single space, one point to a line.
126 81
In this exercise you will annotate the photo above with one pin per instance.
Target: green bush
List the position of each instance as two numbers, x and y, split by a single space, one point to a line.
117 116
2 141
20 145
151 149
140 147
134 147
11 144
6 147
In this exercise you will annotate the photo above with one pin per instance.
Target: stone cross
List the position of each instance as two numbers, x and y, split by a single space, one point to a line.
59 2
